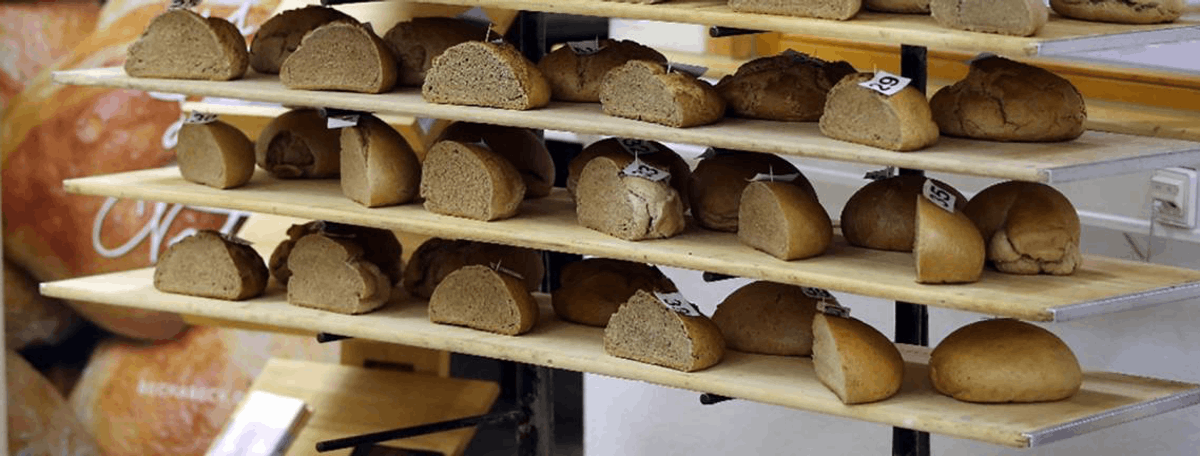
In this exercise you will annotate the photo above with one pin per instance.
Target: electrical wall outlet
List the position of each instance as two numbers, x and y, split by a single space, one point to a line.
1173 194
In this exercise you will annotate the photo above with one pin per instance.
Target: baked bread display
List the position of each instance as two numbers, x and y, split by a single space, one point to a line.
211 265
1004 100
897 6
437 258
882 214
378 167
653 153
1004 17
1121 11
471 181
280 35
716 186
340 55
628 199
671 333
332 273
784 220
1029 228
594 288
486 299
415 43
215 154
825 9
901 122
1004 360
768 318
478 73
180 44
855 361
297 145
790 87
575 71
947 247
646 91
519 146
379 246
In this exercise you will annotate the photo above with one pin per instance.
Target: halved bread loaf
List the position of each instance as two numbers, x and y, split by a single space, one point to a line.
211 265
897 6
767 318
594 288
417 42
280 35
483 298
652 153
577 77
1029 228
378 168
784 220
340 55
947 247
855 361
788 87
1004 360
298 145
477 73
1121 11
519 146
437 258
824 9
628 207
645 329
331 273
715 188
646 91
380 247
1005 17
215 154
469 180
180 44
882 214
900 122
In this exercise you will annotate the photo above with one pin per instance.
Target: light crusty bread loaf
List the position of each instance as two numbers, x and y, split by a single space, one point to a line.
577 77
437 258
297 144
31 319
594 288
644 329
417 42
784 220
332 273
897 6
486 299
628 207
715 188
855 361
653 153
380 247
40 422
767 318
645 90
1004 360
280 35
1121 11
211 265
947 247
1029 228
1005 17
478 73
824 9
215 154
882 214
519 146
180 44
789 87
378 168
900 122
1004 100
340 55
469 180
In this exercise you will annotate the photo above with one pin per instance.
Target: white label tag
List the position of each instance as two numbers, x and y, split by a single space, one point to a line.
183 4
832 308
676 302
636 147
817 293
886 83
800 57
980 56
694 70
939 196
643 170
587 47
880 174
199 118
334 122
775 177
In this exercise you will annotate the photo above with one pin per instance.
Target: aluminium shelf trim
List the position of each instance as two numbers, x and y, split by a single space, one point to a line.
1120 415
1133 301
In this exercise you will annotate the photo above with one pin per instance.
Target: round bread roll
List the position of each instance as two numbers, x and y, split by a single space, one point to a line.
715 187
44 32
437 258
1029 228
415 43
575 76
39 420
519 146
788 87
1004 360
593 289
297 144
653 153
767 318
881 215
1121 11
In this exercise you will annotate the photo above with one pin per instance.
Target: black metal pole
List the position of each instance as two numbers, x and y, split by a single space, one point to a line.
383 436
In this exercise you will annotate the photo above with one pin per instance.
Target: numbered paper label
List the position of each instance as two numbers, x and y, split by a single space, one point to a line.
694 70
800 57
183 4
640 169
636 147
775 177
817 293
587 47
832 308
200 118
675 301
939 196
881 173
343 121
886 83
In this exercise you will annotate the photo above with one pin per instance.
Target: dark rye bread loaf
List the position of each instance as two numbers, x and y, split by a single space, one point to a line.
378 167
854 360
437 258
783 219
417 42
297 145
654 153
788 87
716 186
947 247
280 35
824 9
469 180
1029 228
211 265
594 288
332 273
477 73
897 6
644 90
900 122
215 154
486 299
519 146
180 44
1121 11
628 207
1005 17
767 318
340 55
644 329
1004 360
882 214
577 77
380 247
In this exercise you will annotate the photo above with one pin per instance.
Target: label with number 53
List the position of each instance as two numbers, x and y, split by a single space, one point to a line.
886 83
640 169
676 302
939 196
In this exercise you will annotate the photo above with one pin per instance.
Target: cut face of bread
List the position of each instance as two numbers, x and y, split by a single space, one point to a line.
882 214
1005 17
437 258
716 186
900 122
180 44
378 168
897 6
947 246
477 73
1004 360
593 289
379 246
297 144
628 207
788 87
417 42
1121 11
784 220
855 361
767 318
826 9
211 265
471 181
482 298
340 55
1003 100
279 37
644 329
576 76
654 153
215 154
331 274
1029 228
519 146
644 90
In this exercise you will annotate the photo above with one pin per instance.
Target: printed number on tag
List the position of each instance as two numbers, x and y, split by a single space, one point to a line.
199 118
832 308
939 196
587 47
694 70
676 302
817 293
640 169
333 122
886 83
184 4
637 147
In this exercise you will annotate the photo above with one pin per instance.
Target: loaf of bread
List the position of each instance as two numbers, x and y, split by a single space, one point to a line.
767 318
479 73
1121 11
297 145
416 42
379 246
653 153
789 87
1004 360
1005 17
784 220
31 319
486 299
716 186
648 330
855 361
1029 228
1003 100
629 207
471 181
900 122
378 167
40 422
576 76
882 214
645 90
897 6
180 44
215 154
594 288
211 265
280 35
824 9
947 247
437 258
519 146
340 55
332 273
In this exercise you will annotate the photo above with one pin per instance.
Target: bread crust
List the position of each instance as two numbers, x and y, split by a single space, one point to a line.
280 35
784 220
786 87
215 154
469 297
716 185
153 55
380 246
519 146
309 68
767 318
672 340
594 288
897 6
443 182
417 42
664 158
1121 11
947 247
627 207
882 214
436 258
1004 100
646 91
477 73
297 145
378 167
211 265
1005 17
833 9
578 78
854 360
1029 228
901 122
1004 360
333 274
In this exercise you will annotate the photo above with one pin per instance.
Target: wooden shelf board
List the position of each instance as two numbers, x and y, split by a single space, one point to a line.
1106 399
1102 285
1095 154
